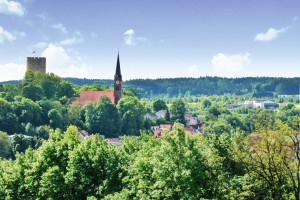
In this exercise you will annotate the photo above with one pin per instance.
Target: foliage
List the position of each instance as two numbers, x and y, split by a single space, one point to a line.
103 118
132 114
5 149
178 111
159 104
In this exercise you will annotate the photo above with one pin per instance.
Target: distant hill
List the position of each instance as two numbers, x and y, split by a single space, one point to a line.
14 82
76 81
83 81
178 87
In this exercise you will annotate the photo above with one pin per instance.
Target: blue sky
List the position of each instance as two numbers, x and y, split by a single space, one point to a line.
156 38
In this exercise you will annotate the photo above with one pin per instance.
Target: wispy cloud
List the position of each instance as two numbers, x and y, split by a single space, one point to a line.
77 38
60 27
5 35
41 45
295 18
131 40
230 63
43 17
19 34
271 34
11 7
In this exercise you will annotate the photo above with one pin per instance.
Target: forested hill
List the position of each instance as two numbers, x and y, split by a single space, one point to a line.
255 86
177 87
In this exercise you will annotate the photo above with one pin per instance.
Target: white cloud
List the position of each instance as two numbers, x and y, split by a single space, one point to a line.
5 35
230 63
62 64
12 71
11 7
77 38
131 40
60 27
19 34
295 18
271 34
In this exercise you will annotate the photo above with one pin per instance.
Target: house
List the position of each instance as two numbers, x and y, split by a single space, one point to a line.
193 122
157 133
265 104
157 130
161 114
94 96
154 116
269 104
151 116
232 106
167 127
189 117
115 141
189 130
83 134
154 128
11 137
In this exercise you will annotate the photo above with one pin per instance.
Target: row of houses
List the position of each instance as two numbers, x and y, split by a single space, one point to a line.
194 125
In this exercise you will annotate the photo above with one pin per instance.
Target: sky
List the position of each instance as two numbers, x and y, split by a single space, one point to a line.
155 38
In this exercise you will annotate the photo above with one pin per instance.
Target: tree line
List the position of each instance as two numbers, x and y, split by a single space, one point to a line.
182 87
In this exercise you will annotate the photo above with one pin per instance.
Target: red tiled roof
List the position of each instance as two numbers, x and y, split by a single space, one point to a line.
84 133
166 126
190 130
157 133
92 97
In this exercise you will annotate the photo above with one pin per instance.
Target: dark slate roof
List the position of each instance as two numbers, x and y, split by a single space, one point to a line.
118 68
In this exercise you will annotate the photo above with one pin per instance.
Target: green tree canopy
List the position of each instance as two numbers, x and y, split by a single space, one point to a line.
103 118
178 111
132 115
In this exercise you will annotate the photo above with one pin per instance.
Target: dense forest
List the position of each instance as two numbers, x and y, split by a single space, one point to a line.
180 87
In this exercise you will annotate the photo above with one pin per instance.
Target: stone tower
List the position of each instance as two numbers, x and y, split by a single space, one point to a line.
118 82
36 64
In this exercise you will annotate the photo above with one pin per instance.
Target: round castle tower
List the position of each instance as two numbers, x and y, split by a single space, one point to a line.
36 64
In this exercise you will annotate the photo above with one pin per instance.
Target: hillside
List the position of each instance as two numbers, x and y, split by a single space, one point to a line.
177 87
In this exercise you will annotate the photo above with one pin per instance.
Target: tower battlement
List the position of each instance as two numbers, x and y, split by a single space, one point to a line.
36 64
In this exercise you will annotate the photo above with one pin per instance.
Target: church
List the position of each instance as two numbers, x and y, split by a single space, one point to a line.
93 96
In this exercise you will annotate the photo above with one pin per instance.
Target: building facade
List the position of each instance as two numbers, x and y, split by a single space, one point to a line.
36 64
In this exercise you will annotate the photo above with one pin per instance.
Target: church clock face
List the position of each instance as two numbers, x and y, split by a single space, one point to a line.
117 82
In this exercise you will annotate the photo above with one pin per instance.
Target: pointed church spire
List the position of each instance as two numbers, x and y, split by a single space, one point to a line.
118 68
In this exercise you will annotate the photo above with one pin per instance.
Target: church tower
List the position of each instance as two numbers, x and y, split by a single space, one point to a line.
118 82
